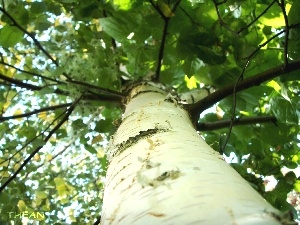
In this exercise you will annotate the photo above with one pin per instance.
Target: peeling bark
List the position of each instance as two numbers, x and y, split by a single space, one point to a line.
162 172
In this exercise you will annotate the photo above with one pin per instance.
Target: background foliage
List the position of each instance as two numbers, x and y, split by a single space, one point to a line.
63 67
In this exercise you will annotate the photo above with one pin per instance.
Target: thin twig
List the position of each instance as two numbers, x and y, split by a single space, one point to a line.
243 28
240 78
31 140
264 44
198 107
31 35
257 18
282 163
222 23
106 97
50 160
26 161
287 30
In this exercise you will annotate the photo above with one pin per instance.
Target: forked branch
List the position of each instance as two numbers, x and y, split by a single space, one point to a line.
197 108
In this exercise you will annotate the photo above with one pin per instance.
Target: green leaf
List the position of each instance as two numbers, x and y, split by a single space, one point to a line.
206 14
10 36
41 194
294 16
284 110
256 148
273 17
209 55
87 10
280 194
203 38
28 132
58 71
47 90
165 9
291 165
22 206
274 134
38 7
78 124
18 11
90 149
69 1
104 126
38 143
192 67
290 177
42 23
114 28
123 4
227 77
61 133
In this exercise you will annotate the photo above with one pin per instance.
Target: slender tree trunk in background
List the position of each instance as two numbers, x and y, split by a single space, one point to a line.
162 172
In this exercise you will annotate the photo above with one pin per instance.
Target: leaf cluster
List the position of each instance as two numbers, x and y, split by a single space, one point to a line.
64 66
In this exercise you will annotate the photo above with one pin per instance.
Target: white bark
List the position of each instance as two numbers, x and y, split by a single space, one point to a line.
162 172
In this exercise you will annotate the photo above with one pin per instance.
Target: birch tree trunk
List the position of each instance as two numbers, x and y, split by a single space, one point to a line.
162 172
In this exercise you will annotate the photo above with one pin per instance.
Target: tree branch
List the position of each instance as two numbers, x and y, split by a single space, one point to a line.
32 154
287 30
164 35
163 40
256 18
161 49
222 23
208 126
31 35
20 83
50 160
31 87
105 90
30 73
111 96
104 97
4 118
241 76
205 103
